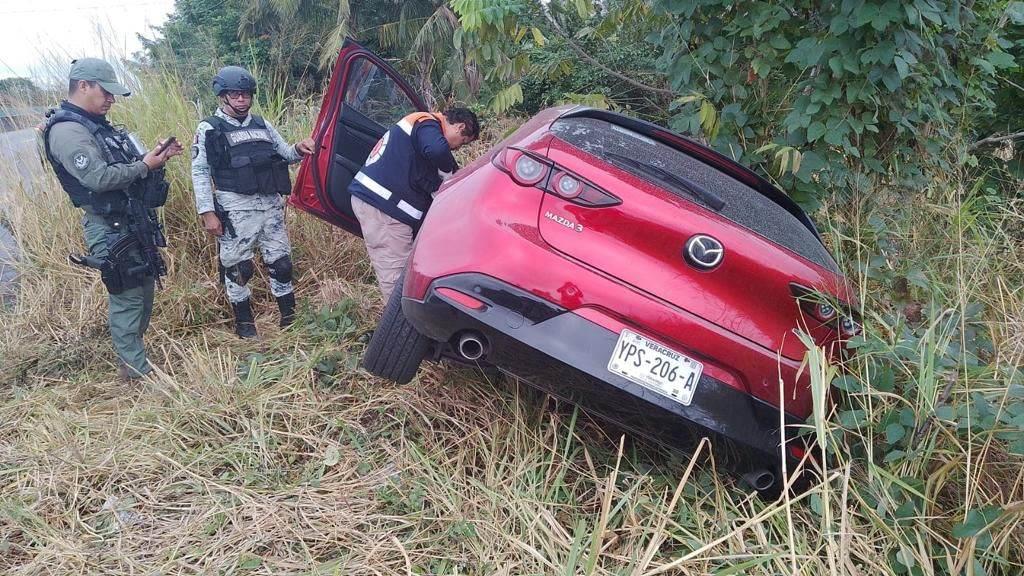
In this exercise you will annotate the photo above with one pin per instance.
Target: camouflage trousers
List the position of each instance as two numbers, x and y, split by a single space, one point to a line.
265 228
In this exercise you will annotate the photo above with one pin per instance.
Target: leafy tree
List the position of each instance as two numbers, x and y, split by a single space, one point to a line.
816 93
291 44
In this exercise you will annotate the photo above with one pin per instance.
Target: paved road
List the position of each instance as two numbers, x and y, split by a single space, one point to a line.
19 166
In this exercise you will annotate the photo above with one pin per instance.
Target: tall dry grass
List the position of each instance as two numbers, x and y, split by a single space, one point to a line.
281 457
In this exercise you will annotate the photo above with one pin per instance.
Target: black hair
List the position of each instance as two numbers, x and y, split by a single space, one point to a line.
466 117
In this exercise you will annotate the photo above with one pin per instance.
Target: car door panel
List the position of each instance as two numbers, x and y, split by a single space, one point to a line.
364 98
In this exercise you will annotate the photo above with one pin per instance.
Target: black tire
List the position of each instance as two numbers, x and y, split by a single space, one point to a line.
396 349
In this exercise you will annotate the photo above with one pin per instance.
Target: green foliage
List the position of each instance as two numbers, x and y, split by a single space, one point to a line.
835 92
864 86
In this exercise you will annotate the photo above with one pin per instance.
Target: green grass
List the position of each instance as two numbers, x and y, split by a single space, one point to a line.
281 457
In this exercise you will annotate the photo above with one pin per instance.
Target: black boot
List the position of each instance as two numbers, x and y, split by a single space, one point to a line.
286 304
245 327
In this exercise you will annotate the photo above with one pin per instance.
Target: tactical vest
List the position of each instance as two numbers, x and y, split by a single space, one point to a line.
243 159
116 150
395 178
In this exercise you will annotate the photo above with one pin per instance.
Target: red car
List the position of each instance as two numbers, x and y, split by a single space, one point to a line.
605 260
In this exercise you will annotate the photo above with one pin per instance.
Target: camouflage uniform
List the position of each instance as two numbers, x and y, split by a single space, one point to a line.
255 219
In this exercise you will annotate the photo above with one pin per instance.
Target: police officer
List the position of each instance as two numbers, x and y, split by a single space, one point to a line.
394 189
239 173
104 171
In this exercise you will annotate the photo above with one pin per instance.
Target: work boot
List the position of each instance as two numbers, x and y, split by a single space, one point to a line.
245 326
127 374
286 304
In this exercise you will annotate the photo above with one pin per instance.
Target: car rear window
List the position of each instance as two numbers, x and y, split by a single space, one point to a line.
743 205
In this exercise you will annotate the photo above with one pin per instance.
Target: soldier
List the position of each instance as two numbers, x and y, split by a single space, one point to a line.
395 187
239 173
117 185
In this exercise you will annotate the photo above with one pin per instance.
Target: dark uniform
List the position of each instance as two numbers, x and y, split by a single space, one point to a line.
394 189
101 169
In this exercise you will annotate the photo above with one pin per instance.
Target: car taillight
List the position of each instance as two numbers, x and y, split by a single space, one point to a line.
566 186
821 308
849 327
531 169
824 311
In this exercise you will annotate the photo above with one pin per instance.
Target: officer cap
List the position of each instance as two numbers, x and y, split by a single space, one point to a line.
233 78
100 71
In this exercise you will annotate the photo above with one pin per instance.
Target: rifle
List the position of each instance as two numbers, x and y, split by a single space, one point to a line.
144 196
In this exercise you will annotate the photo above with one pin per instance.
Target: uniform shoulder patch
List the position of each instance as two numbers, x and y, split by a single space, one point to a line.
81 161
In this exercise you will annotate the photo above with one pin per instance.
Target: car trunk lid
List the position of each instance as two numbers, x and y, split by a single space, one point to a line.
671 200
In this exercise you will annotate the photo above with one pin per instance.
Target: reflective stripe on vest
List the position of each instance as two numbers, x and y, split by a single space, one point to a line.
397 146
373 186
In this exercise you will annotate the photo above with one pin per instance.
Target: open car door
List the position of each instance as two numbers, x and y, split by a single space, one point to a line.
364 99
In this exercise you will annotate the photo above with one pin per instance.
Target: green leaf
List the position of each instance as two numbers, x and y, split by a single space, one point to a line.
976 521
864 15
852 418
249 561
538 37
689 98
945 412
917 277
1000 59
984 65
901 67
891 79
779 42
505 99
708 118
1015 11
815 130
584 8
742 567
894 456
894 433
848 383
836 64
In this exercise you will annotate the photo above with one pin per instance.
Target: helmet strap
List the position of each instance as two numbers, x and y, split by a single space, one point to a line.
233 111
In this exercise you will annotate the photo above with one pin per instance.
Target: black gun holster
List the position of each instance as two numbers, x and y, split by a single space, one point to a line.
122 269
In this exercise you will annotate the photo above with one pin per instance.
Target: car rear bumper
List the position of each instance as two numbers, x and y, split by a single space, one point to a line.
566 355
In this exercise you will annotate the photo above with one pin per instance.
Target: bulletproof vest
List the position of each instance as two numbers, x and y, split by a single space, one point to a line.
116 149
243 158
395 179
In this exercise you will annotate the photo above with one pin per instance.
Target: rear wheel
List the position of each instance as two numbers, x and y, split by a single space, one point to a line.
396 349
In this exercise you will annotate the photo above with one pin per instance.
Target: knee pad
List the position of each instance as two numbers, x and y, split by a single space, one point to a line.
240 273
281 269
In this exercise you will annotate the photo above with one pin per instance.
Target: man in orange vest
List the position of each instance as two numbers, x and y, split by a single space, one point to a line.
394 189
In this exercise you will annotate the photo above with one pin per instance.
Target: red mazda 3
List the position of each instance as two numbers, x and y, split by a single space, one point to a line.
605 260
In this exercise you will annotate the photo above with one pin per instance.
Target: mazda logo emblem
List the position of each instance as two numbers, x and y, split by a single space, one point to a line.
704 252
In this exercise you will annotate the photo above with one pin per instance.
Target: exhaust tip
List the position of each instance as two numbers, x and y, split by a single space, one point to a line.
760 480
471 346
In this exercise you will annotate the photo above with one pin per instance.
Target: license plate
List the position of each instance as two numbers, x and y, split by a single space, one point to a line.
655 366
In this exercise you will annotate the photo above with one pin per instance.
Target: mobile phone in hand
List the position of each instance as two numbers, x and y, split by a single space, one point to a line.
163 147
